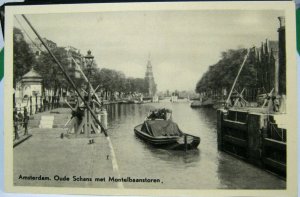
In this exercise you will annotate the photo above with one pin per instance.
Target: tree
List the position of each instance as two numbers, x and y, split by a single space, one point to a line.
52 75
112 81
222 74
24 58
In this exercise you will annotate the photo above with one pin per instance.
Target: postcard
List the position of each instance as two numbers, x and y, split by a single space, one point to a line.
169 99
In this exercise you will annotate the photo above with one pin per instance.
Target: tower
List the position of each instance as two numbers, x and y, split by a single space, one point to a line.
149 79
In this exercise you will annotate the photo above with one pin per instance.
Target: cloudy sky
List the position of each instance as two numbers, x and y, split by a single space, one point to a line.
182 44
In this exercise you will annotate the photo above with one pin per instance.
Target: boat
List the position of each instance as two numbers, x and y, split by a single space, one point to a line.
208 102
162 132
138 102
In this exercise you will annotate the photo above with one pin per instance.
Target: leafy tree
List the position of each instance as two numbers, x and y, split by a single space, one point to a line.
110 81
141 85
52 75
24 58
222 74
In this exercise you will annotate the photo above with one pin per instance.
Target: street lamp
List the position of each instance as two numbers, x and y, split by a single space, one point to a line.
89 58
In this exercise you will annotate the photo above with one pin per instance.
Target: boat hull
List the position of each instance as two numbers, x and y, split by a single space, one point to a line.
172 142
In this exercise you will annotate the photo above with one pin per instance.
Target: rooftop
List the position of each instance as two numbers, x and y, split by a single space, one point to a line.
32 74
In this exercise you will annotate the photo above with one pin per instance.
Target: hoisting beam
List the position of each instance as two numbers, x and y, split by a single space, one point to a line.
236 78
66 75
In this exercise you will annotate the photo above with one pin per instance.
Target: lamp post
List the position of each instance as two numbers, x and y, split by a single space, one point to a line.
89 58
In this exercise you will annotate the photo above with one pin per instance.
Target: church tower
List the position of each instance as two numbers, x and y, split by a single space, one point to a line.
151 86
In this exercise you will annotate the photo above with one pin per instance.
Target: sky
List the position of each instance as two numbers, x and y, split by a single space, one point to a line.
181 44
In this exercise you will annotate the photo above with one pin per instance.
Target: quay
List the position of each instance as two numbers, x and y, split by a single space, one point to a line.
46 154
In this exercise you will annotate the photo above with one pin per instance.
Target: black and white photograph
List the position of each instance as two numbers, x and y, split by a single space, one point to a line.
158 97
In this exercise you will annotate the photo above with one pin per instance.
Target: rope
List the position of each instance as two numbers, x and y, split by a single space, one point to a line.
274 129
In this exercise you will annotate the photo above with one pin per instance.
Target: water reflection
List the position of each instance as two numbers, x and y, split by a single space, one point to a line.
177 157
203 168
207 115
173 156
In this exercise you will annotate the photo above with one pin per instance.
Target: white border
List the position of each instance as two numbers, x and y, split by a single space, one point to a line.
289 8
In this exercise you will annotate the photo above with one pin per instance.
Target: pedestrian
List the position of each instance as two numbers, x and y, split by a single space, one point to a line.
276 103
15 114
58 101
269 102
45 103
25 121
52 101
49 102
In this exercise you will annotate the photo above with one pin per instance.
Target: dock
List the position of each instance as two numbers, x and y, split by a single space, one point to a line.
47 154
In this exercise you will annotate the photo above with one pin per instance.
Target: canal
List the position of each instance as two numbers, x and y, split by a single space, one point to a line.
203 168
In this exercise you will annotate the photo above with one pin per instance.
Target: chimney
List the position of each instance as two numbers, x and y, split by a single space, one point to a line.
281 21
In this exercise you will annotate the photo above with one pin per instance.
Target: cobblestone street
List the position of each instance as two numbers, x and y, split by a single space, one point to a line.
46 154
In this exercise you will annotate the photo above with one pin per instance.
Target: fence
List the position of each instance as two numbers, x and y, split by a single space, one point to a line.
26 107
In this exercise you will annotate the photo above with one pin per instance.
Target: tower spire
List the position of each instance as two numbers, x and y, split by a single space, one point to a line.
150 78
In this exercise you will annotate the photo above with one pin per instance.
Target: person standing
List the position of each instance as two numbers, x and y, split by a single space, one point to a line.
276 104
25 121
16 119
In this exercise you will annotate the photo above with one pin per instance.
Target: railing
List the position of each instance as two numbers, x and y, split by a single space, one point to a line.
28 106
276 133
274 148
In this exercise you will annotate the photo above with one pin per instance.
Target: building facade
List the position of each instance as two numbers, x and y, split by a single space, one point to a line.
75 55
37 46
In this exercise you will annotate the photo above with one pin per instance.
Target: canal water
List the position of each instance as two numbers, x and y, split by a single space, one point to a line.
203 168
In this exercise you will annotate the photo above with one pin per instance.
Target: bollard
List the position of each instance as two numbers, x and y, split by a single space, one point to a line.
91 141
104 118
99 118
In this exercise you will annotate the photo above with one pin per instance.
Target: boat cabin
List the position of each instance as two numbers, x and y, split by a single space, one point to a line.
160 127
160 114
